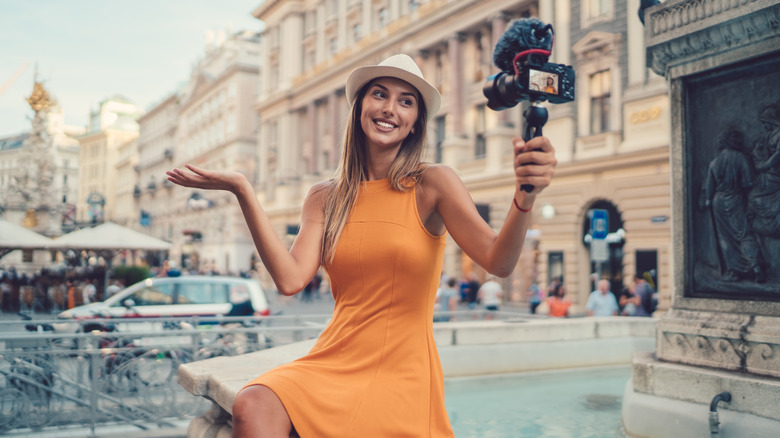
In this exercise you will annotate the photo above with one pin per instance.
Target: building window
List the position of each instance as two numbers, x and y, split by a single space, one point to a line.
595 11
647 265
554 266
484 55
356 32
598 8
484 212
413 5
479 132
231 124
334 46
273 76
441 126
438 76
383 18
600 91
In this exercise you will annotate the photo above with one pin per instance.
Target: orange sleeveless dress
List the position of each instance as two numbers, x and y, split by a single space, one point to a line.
374 371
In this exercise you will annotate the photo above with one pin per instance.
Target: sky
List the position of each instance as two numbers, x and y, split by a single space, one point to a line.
89 50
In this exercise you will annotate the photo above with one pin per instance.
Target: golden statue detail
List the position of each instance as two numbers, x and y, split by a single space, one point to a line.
39 99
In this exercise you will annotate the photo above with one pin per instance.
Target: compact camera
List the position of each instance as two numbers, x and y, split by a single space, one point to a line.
522 53
549 82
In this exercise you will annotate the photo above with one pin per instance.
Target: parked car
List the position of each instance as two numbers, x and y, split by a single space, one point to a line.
192 295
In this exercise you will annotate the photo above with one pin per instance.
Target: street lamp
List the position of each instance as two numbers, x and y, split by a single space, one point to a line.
96 201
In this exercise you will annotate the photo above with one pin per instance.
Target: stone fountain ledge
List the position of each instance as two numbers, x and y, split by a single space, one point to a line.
525 345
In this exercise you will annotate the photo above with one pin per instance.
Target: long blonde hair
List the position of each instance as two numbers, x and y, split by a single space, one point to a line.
352 171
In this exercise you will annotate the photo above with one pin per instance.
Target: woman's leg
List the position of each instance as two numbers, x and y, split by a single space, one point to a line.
258 412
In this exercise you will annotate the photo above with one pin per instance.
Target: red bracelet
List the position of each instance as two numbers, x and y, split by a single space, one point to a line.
524 210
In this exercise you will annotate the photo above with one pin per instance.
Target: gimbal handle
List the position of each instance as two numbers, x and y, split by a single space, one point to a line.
535 118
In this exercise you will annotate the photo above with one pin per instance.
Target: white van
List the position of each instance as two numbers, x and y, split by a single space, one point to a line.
189 295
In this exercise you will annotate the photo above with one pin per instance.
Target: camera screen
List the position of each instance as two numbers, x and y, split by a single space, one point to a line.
543 81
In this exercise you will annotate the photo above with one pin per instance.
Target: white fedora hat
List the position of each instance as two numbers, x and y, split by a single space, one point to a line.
401 67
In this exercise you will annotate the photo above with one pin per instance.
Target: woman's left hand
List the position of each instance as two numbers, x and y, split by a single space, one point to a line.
534 163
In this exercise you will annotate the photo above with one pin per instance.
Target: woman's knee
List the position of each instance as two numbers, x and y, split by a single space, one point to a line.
251 400
242 404
260 404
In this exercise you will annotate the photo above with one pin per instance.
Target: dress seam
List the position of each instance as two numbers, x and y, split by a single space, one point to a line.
384 343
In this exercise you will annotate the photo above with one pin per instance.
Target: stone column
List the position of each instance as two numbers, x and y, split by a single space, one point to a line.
456 86
499 23
313 150
291 48
722 332
335 137
456 147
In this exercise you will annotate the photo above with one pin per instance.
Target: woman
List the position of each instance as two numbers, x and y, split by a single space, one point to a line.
379 229
557 302
550 87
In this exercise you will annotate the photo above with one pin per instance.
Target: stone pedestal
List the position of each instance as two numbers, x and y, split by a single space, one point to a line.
722 333
740 342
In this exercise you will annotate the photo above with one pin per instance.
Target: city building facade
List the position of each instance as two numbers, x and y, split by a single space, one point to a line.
152 194
111 125
126 213
611 142
210 123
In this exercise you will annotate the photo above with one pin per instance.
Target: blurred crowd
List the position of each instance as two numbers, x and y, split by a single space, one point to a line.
637 298
50 290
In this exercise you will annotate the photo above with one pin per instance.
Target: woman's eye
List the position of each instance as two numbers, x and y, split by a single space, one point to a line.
407 102
379 93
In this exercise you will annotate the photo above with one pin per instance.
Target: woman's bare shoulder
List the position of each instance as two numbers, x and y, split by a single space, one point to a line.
439 178
438 174
318 192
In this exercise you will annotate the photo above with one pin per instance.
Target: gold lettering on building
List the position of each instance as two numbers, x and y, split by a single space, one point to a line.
644 116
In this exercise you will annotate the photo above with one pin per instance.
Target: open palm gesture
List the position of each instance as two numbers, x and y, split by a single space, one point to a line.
206 179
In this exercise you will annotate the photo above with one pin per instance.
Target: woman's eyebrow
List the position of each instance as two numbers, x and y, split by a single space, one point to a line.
405 93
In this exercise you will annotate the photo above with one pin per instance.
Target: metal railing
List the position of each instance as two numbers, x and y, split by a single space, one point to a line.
77 373
126 376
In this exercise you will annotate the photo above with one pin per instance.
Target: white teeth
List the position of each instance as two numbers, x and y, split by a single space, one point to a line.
385 124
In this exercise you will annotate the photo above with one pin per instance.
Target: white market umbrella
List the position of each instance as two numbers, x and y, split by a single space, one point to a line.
109 236
13 237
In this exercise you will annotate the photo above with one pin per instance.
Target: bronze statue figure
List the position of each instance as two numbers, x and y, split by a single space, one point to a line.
729 178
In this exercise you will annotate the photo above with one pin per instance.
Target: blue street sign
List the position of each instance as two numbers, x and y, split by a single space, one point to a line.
599 224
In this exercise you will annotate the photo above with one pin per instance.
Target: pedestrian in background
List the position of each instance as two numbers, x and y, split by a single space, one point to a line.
89 292
489 295
557 302
447 299
472 290
534 297
113 288
6 289
601 301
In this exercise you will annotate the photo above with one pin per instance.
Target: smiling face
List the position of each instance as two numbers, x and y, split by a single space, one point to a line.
389 112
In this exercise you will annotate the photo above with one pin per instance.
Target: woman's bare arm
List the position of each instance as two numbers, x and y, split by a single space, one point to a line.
496 252
291 270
